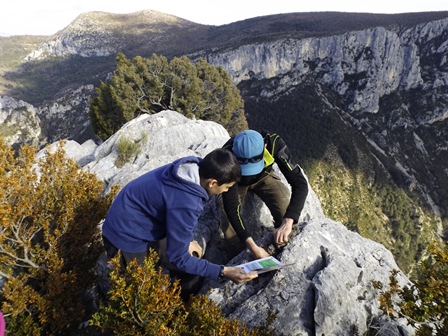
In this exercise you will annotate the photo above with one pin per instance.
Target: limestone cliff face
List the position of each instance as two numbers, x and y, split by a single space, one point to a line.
361 66
19 122
388 85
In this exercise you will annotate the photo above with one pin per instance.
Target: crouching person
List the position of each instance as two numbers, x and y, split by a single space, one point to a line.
161 208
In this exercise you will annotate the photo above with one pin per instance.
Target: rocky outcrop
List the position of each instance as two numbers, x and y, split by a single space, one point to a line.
329 288
67 117
327 291
19 122
160 139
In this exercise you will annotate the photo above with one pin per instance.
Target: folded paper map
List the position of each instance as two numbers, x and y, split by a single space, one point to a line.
263 265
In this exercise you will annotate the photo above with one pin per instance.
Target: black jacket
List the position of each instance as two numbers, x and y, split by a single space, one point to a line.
280 154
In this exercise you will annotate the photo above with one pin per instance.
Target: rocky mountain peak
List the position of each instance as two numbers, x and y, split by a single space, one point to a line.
94 34
96 21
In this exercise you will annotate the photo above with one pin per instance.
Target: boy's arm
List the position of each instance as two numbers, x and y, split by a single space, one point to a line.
294 176
233 207
180 225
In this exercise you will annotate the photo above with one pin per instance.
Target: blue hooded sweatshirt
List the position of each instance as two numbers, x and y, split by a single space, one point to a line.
165 202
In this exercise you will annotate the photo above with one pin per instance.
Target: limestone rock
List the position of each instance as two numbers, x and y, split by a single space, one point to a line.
328 291
161 138
19 122
67 116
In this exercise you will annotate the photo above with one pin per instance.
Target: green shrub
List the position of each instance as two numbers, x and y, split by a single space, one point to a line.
425 303
127 149
49 240
151 85
142 301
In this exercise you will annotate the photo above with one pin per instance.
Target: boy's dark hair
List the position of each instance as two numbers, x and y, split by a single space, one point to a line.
221 165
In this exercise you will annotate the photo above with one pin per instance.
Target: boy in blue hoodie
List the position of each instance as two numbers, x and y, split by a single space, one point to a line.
166 203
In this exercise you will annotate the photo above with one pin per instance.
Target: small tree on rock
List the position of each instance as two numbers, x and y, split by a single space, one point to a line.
151 85
425 303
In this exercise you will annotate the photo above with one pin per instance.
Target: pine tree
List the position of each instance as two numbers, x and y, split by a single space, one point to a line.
152 85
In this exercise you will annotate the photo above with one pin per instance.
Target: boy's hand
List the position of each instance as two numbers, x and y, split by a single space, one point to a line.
256 251
281 235
195 249
238 276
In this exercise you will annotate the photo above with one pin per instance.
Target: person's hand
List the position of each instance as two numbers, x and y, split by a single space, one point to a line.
238 276
281 234
195 249
256 251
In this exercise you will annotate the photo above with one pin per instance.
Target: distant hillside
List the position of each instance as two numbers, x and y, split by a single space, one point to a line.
146 32
311 24
13 50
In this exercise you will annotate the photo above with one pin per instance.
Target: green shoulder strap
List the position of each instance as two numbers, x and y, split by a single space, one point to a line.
268 159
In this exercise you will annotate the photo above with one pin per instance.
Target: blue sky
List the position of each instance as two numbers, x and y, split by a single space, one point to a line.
46 17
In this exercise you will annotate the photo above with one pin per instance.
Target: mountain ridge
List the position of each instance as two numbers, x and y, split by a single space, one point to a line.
311 24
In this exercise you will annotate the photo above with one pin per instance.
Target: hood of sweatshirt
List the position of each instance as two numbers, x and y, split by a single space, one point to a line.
186 171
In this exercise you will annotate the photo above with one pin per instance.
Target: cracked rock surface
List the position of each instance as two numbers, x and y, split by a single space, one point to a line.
327 291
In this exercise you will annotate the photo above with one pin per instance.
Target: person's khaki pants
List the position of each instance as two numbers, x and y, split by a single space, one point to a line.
272 191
